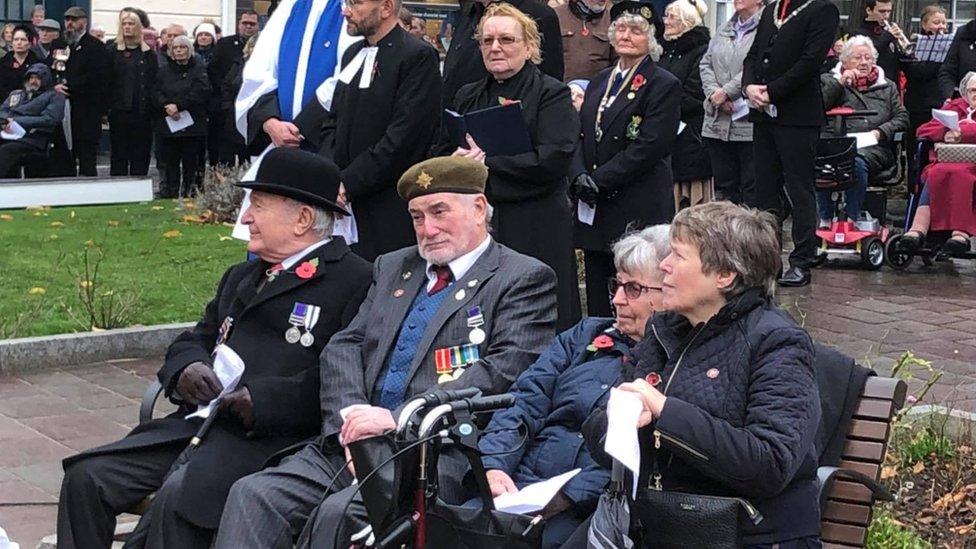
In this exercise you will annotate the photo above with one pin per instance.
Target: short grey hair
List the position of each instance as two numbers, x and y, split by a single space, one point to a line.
640 252
634 20
469 199
965 82
860 40
323 221
732 239
181 40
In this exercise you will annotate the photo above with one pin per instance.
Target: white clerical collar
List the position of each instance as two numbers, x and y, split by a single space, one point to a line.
461 265
290 261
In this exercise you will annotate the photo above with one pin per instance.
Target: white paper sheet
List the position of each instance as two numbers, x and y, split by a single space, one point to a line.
229 368
184 122
740 109
623 412
949 119
864 139
681 127
240 231
13 132
345 226
585 213
5 542
533 497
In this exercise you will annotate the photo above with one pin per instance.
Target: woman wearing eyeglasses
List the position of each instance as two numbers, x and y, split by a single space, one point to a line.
726 381
622 167
527 190
570 380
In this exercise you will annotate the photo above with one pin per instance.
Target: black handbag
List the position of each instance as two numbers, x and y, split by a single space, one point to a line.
665 519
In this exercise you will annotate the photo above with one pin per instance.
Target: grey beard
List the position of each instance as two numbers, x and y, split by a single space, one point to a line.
72 37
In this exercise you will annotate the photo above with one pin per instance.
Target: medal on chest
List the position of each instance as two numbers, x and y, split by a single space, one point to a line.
450 362
223 333
475 321
302 316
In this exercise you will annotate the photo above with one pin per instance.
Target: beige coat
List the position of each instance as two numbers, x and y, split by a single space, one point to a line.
721 67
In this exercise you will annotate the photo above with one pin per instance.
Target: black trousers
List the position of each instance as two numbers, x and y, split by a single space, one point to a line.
599 269
733 171
215 130
84 153
787 156
98 488
14 154
131 136
181 155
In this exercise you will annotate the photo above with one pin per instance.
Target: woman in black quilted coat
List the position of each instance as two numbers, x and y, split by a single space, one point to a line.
731 406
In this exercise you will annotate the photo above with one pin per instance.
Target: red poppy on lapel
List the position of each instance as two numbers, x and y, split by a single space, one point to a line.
307 269
603 341
638 82
653 378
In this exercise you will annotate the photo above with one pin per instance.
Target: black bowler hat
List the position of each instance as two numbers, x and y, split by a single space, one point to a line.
300 175
643 9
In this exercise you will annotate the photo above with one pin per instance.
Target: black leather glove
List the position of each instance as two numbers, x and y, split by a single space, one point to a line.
198 384
585 189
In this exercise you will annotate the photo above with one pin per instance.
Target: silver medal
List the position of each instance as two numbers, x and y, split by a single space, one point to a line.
307 339
293 335
476 336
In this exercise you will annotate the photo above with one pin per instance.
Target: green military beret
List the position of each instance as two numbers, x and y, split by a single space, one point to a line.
443 174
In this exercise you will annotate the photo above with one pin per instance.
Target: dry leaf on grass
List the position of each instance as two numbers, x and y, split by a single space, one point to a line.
37 290
57 224
156 208
7 217
113 223
918 467
224 238
889 471
172 234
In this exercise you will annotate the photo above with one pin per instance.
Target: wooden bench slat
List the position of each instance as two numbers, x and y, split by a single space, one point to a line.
864 451
843 533
849 513
887 388
869 408
864 429
850 491
869 469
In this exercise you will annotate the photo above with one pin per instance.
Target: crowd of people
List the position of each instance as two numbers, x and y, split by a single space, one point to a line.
669 156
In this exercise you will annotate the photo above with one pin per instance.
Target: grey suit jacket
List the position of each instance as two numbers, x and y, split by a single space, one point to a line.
517 295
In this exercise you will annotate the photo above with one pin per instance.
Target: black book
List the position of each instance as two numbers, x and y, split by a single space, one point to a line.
499 131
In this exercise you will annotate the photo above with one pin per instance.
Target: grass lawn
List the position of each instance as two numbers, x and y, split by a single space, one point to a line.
167 264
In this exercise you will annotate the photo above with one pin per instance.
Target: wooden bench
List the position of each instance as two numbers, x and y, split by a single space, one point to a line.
848 492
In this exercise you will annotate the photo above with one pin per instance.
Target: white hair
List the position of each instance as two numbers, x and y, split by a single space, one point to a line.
633 20
324 221
470 199
965 81
855 41
181 40
639 253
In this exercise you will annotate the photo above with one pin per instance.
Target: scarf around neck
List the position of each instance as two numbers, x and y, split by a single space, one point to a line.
864 83
583 11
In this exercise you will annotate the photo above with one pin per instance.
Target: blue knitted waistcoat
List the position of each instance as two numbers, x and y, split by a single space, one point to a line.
392 383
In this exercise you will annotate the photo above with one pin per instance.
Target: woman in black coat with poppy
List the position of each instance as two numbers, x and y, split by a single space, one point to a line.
13 65
528 190
685 43
182 86
621 166
133 74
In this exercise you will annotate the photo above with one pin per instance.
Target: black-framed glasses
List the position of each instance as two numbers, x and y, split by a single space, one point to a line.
633 290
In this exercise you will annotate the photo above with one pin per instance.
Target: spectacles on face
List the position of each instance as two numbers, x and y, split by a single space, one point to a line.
633 290
504 40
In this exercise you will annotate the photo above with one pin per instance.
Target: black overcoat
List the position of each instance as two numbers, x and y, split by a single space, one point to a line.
145 80
788 62
283 378
529 191
13 78
682 57
375 134
960 60
187 87
632 162
87 74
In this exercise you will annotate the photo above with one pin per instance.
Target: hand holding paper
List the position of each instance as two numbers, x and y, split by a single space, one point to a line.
623 412
533 497
229 368
949 119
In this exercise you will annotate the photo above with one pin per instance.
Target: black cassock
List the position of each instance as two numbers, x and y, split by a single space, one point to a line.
374 134
529 191
282 377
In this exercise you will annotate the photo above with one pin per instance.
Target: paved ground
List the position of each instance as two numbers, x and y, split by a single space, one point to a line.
873 316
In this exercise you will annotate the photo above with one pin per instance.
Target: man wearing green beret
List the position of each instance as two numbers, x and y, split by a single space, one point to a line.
457 310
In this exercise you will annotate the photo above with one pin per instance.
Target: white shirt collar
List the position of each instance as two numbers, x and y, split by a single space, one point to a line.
461 265
290 261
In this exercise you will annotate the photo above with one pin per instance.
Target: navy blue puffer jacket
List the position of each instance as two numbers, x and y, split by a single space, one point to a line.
553 399
741 414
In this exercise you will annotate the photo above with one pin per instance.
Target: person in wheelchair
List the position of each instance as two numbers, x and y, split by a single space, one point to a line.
947 200
568 381
730 400
37 110
858 82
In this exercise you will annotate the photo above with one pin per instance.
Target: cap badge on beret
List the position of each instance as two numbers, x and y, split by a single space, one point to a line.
424 180
646 12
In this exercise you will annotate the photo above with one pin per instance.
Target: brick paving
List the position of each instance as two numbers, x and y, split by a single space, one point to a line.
872 316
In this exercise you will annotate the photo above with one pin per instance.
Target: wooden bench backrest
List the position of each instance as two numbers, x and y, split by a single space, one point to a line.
849 507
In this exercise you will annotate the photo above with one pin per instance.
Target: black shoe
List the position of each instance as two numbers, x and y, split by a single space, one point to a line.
910 241
795 277
956 245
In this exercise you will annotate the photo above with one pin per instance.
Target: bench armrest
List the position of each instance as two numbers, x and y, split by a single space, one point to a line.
826 475
149 401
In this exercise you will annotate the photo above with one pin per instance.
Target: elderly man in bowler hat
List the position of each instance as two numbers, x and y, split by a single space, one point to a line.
456 310
276 313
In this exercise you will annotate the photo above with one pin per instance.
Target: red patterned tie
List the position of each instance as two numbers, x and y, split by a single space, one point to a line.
444 277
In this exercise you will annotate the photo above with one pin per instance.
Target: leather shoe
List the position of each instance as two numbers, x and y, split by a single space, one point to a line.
795 277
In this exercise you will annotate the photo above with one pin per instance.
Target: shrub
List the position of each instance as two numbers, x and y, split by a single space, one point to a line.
218 197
